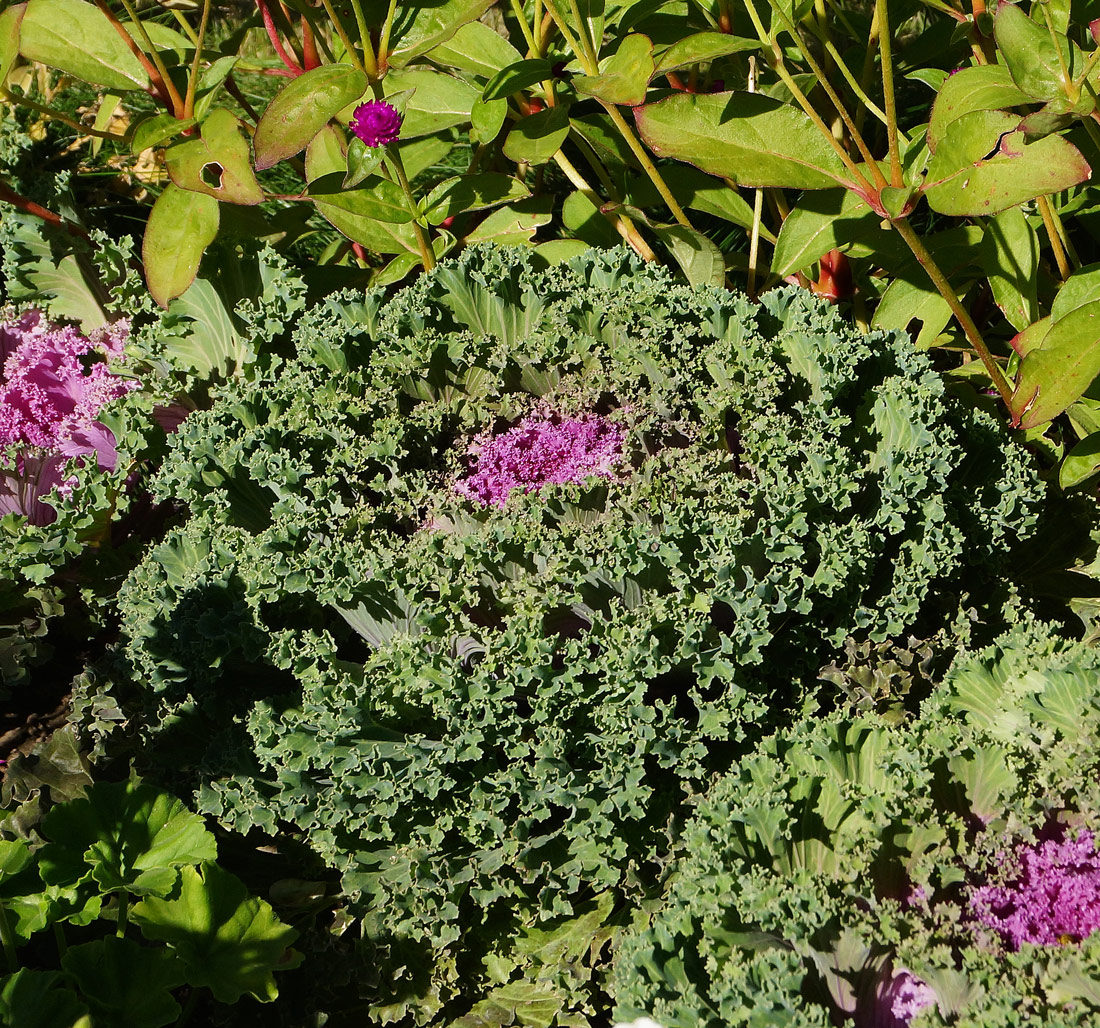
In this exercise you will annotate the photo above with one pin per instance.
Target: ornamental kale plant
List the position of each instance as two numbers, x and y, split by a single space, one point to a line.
854 871
49 403
485 586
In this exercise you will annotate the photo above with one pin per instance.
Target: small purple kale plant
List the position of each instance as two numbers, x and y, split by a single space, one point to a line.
52 389
542 449
1053 898
900 997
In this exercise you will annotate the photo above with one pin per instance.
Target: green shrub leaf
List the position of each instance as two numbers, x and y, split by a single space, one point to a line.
230 942
216 164
127 836
126 983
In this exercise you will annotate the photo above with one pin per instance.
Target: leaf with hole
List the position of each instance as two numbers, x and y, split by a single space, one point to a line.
217 163
747 137
302 108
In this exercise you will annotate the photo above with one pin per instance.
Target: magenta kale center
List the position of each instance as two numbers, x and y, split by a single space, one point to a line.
541 449
1053 899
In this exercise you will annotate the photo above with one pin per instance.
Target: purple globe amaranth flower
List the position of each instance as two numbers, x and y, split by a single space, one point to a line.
1053 899
50 396
542 449
376 123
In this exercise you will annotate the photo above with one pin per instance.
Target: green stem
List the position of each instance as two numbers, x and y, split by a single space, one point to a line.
532 45
59 938
427 256
193 80
154 55
647 164
592 46
353 54
61 116
570 39
1054 236
185 25
123 913
943 287
823 81
7 938
781 70
370 64
884 43
387 29
867 102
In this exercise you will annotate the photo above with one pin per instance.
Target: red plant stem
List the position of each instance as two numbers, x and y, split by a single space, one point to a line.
310 57
21 203
359 252
273 35
166 92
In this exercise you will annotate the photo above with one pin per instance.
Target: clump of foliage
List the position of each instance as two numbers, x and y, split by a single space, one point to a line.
123 855
490 717
938 872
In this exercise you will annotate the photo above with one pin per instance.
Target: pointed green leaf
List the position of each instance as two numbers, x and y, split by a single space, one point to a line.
472 193
478 49
231 942
624 77
38 999
515 224
210 83
699 259
441 101
217 163
377 198
14 857
1010 253
76 37
156 129
583 218
486 120
984 165
1056 373
820 223
434 24
128 835
126 983
1031 338
363 161
1081 463
536 138
1082 287
702 48
10 21
747 137
988 87
302 108
181 226
517 77
1026 48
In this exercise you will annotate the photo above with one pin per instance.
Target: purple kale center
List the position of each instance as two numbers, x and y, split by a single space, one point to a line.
1053 898
540 450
